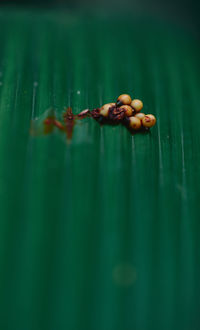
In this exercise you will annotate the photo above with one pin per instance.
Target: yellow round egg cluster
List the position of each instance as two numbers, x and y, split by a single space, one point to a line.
128 112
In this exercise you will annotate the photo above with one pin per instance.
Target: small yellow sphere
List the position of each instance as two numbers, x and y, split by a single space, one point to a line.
152 117
124 99
134 123
140 115
127 110
104 110
148 121
137 105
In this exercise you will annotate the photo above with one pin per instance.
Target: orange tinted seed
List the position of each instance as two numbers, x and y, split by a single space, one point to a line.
104 111
124 99
137 105
127 110
134 123
153 118
148 121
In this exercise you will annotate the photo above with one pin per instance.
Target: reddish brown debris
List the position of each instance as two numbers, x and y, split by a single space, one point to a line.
95 113
116 115
69 122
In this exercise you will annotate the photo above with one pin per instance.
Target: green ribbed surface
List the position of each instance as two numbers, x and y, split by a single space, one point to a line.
101 234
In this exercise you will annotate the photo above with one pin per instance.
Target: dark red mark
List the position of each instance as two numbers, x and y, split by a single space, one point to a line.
147 119
69 120
49 124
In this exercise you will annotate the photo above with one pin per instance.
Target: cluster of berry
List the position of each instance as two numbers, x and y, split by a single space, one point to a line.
125 111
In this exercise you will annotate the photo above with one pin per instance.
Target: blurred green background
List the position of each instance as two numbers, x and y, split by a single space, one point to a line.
102 233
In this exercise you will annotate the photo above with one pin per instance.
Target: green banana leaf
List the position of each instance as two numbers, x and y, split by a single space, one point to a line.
101 233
